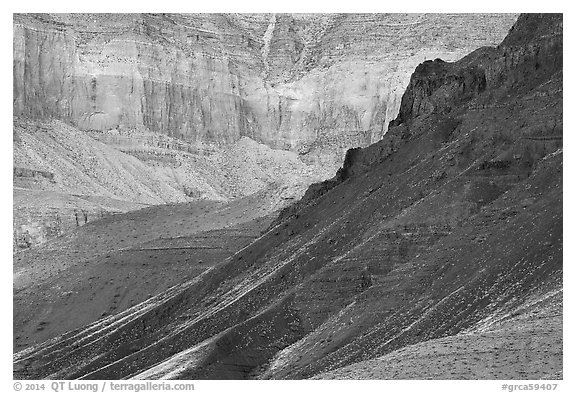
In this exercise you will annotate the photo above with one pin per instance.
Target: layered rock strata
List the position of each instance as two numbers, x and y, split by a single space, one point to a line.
443 240
315 84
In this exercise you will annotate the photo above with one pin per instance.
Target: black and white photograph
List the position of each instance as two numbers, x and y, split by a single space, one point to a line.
286 196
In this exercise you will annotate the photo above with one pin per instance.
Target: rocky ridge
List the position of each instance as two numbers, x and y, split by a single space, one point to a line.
444 238
186 94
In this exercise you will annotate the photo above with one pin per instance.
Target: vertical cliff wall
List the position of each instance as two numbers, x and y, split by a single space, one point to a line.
436 254
314 84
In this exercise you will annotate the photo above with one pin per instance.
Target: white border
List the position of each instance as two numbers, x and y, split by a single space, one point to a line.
290 6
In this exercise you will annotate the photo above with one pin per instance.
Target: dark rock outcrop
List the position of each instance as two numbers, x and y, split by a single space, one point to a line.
184 94
448 229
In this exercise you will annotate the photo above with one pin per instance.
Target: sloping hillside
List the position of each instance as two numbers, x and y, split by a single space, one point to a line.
446 232
109 265
65 178
212 106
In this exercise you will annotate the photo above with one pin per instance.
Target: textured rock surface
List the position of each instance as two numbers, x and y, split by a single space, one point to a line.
523 345
111 264
204 102
444 237
315 84
64 177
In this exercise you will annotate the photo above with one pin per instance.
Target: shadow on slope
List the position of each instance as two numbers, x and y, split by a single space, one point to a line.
449 224
114 263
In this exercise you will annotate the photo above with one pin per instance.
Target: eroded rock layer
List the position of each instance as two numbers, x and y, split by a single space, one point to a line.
441 242
316 84
205 103
65 178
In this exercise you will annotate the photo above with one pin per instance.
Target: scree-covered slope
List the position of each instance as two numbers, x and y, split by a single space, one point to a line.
441 242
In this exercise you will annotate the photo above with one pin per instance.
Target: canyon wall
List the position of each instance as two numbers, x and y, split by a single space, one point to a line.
436 253
314 84
117 111
64 178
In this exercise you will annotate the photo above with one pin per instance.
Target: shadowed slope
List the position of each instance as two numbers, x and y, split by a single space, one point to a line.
451 224
114 263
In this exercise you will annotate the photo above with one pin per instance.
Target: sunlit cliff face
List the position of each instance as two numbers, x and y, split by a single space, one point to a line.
314 84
